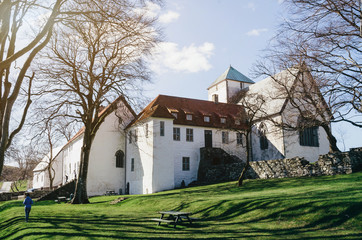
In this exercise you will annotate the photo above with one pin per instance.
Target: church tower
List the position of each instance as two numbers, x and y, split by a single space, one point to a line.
227 85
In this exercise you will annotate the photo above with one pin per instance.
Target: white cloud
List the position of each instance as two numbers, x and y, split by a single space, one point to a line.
150 9
256 32
169 17
252 6
154 10
169 56
280 1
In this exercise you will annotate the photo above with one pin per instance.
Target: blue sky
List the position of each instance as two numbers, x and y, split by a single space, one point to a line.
203 37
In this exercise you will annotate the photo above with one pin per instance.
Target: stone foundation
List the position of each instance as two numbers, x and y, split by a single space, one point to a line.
230 168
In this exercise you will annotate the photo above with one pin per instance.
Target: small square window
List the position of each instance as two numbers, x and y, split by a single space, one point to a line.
206 118
189 117
222 120
185 164
237 122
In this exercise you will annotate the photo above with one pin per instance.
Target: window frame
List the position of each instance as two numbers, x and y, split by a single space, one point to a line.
132 164
207 119
189 134
162 128
185 163
176 134
225 137
239 138
119 159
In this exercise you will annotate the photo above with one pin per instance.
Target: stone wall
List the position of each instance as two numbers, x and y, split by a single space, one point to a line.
64 190
216 165
228 168
328 164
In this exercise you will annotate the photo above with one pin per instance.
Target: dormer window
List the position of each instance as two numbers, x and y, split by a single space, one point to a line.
237 122
223 120
174 114
189 117
206 118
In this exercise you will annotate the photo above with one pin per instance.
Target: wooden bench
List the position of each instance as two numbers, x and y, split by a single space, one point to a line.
159 220
62 199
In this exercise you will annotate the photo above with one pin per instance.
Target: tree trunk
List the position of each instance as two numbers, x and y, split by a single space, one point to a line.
247 164
80 195
2 159
332 140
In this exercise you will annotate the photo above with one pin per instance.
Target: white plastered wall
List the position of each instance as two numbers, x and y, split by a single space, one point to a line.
275 139
141 151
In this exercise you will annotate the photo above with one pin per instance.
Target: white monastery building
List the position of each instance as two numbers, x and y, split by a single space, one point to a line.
159 148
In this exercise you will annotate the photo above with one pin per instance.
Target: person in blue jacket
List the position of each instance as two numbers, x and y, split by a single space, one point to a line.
27 202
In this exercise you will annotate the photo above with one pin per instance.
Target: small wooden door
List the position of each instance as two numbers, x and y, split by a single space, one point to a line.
208 138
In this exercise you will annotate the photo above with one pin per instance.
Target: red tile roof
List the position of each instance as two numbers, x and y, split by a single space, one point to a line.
163 105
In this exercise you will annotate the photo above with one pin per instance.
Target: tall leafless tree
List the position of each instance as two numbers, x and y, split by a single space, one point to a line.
94 58
326 36
254 112
17 56
307 107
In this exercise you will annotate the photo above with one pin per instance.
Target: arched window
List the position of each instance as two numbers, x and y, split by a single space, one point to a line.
262 137
119 159
308 135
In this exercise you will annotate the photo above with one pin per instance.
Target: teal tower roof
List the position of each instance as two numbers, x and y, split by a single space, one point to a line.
232 74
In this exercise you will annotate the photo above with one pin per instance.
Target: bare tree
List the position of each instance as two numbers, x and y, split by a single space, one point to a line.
50 134
307 107
94 58
26 158
15 59
326 35
254 112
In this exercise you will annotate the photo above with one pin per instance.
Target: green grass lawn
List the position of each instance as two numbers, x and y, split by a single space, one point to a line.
328 207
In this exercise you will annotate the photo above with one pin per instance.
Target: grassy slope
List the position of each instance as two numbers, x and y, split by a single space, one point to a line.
299 208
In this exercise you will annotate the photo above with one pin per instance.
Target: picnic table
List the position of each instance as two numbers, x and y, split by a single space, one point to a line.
62 199
173 217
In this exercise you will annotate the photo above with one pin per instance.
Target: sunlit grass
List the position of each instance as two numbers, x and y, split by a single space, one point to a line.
293 208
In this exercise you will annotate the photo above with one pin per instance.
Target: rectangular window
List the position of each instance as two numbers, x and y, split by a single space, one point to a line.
176 134
146 133
225 137
223 120
185 164
132 164
189 135
135 135
263 142
241 85
130 137
239 138
162 128
206 118
309 137
189 117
